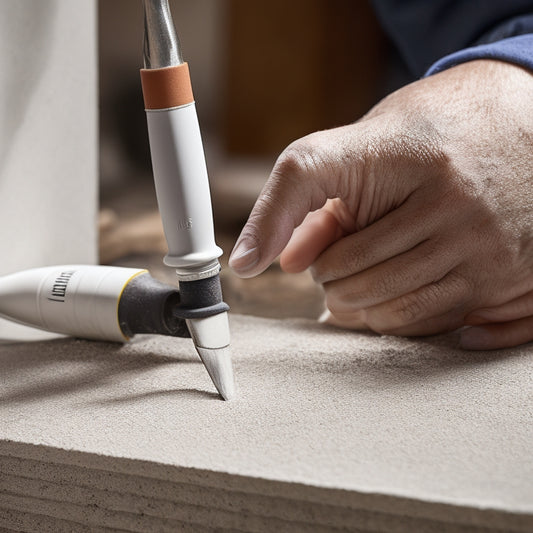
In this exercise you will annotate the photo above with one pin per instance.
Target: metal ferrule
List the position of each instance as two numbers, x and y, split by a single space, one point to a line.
161 44
196 273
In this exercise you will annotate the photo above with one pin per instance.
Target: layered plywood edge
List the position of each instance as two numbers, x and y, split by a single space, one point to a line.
137 503
332 431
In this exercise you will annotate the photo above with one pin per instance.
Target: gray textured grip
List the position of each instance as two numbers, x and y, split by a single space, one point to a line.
147 306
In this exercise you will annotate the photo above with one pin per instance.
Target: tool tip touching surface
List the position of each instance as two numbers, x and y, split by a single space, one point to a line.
218 364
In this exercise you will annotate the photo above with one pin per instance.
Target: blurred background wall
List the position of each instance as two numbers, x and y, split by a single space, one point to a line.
48 136
200 24
264 72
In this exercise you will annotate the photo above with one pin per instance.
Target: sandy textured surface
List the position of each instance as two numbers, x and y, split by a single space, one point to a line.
354 422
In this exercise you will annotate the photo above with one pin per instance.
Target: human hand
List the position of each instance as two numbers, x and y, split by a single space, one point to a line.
418 214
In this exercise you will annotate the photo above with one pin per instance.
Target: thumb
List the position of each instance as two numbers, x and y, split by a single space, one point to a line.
306 174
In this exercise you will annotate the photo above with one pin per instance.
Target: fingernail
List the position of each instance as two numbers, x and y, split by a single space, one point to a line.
243 256
475 339
325 317
313 272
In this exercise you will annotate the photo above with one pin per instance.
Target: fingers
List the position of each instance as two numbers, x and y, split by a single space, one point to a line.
304 177
496 336
319 229
419 312
395 233
518 308
423 265
355 320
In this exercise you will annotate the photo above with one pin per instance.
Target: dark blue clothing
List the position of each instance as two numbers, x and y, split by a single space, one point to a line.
517 50
433 35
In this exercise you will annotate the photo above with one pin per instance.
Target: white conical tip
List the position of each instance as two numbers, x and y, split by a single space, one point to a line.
218 364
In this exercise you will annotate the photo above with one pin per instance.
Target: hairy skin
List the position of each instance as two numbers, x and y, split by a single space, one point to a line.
418 218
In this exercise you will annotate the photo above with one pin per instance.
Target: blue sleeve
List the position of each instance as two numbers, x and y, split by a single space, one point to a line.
437 34
517 50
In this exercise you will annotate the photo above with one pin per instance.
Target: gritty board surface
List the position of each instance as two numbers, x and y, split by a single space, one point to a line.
417 418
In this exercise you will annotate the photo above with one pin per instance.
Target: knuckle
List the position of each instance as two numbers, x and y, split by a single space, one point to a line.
436 298
298 159
383 286
298 168
411 310
289 163
414 306
311 157
462 285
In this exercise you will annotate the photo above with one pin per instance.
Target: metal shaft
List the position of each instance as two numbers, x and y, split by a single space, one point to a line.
161 44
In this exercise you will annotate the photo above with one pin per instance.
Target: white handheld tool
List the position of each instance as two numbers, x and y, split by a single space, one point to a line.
93 302
113 304
182 188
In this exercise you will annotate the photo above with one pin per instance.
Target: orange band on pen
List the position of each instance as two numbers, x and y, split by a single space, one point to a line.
166 87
